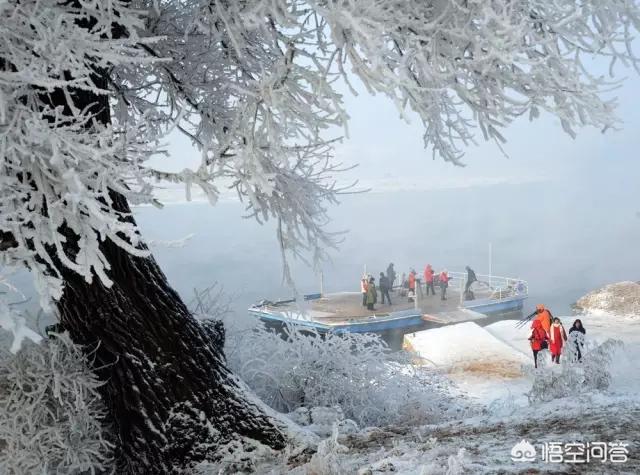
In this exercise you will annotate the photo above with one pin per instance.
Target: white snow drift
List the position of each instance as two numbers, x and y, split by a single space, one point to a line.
467 347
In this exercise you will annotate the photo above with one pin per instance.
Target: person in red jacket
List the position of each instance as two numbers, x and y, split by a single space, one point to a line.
428 279
412 285
557 337
444 283
538 340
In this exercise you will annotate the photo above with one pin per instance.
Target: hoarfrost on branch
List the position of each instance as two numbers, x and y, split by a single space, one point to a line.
254 85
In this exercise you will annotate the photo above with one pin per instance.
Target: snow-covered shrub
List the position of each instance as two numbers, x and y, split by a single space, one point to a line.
357 373
237 457
51 416
592 372
327 459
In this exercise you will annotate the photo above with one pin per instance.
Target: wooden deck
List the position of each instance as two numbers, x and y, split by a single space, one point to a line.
346 307
343 312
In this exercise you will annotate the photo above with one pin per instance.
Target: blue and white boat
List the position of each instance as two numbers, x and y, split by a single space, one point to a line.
343 312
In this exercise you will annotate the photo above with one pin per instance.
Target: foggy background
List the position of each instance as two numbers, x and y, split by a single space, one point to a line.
556 236
560 213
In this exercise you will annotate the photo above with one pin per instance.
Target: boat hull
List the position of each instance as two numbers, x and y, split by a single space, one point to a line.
378 324
488 306
405 321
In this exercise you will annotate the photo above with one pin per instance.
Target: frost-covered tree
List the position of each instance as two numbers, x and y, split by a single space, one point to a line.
89 89
370 385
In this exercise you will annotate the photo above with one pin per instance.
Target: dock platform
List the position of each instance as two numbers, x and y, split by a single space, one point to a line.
343 312
345 309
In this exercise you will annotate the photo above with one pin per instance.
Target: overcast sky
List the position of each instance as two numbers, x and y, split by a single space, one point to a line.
392 156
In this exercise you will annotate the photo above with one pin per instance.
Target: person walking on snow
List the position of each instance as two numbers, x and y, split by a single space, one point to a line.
428 279
383 283
391 275
545 318
538 340
372 294
576 334
444 283
557 337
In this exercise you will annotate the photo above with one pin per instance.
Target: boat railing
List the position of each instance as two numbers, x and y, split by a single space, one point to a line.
490 286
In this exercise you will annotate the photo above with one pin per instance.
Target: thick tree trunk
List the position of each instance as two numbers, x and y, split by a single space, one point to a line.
170 394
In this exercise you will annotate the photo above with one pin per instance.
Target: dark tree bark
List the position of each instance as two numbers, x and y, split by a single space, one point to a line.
162 368
170 395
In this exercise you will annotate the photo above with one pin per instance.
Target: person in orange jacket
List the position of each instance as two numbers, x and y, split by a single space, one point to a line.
444 283
544 316
412 280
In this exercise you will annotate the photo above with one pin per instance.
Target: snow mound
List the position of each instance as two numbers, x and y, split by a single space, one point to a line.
467 347
622 298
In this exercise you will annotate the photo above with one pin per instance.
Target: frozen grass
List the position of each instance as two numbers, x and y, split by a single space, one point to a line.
356 373
51 416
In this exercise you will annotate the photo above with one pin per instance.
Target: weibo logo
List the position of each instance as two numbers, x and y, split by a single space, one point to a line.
523 451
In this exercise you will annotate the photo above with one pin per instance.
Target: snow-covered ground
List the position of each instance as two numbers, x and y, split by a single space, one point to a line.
493 368
467 401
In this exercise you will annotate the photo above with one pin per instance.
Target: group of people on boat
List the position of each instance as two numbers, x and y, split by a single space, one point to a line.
409 282
414 284
547 332
370 291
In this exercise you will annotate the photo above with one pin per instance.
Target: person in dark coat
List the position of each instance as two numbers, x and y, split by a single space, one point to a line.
383 283
471 278
372 294
578 337
391 275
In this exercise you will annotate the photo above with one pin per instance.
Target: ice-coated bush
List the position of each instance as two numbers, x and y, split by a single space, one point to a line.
591 372
358 373
51 416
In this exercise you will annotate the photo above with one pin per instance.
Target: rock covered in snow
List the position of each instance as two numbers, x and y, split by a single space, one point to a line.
622 298
322 420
